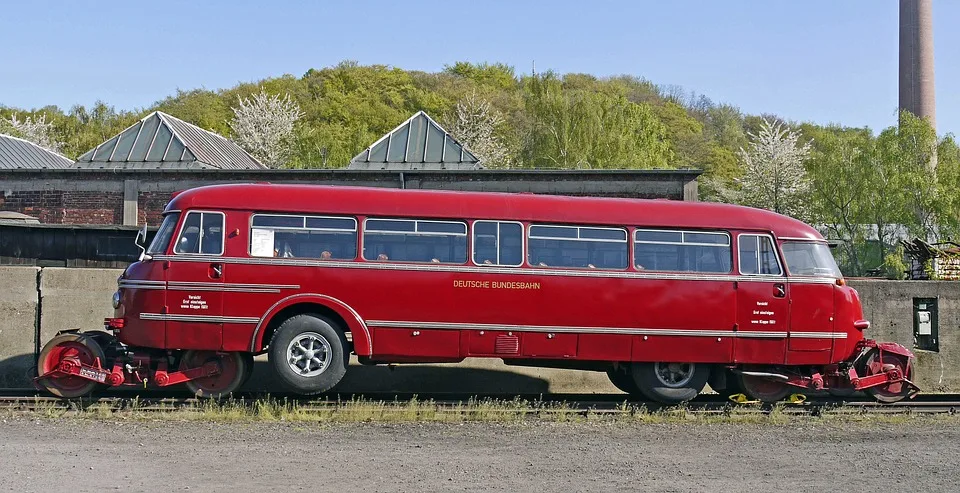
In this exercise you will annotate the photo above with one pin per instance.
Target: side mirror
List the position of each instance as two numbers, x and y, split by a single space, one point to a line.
141 241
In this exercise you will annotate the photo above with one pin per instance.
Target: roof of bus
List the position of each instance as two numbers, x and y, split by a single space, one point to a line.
444 204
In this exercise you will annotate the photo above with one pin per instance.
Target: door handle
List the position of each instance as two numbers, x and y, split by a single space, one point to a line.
779 290
216 271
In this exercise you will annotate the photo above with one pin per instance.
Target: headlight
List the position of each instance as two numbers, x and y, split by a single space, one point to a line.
116 300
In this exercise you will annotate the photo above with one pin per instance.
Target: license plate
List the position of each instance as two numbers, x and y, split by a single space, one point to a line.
93 375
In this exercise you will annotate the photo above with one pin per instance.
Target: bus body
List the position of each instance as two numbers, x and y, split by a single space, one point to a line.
662 295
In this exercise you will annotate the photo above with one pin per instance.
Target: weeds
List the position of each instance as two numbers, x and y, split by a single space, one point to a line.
269 409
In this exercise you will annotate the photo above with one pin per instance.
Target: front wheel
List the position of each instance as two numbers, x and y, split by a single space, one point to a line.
308 354
670 383
78 348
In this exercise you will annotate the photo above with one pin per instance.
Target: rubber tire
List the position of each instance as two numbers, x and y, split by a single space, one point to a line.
91 346
621 379
293 327
645 378
195 386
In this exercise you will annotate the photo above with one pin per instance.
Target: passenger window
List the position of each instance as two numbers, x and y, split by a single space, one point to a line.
202 233
497 243
577 246
414 240
758 256
297 236
682 251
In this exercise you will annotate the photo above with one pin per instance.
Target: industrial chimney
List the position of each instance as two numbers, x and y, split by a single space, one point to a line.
916 59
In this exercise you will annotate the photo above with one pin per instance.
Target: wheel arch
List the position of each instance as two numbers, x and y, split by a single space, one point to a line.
317 303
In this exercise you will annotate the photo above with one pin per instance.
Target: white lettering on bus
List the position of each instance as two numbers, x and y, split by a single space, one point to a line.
471 283
193 302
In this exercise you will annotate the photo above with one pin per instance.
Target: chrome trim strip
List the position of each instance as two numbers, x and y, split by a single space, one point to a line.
590 330
198 318
208 286
468 269
819 335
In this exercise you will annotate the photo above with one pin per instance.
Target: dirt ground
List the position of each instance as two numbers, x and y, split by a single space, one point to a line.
91 455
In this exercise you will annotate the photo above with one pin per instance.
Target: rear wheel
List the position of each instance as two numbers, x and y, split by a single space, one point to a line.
233 371
670 383
308 354
873 364
623 380
77 347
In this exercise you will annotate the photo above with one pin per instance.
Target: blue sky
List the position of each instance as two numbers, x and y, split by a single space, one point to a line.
824 61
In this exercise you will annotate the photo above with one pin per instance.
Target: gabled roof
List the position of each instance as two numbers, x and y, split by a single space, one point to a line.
160 141
418 143
16 153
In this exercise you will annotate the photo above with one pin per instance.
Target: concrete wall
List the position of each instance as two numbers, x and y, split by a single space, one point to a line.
36 303
888 305
19 307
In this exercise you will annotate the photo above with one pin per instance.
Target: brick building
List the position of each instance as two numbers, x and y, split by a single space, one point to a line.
128 179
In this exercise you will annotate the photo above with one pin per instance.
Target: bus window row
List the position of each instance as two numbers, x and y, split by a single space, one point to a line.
493 243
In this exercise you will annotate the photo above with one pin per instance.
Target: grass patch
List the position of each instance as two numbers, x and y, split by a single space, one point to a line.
476 411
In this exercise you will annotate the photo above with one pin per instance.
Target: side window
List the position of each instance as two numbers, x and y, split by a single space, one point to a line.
202 233
316 237
577 246
497 243
682 251
758 256
414 240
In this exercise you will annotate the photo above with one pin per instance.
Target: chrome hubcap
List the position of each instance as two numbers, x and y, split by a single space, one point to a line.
308 354
674 375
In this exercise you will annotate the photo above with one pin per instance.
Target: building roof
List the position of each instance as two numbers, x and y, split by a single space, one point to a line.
160 141
16 153
418 143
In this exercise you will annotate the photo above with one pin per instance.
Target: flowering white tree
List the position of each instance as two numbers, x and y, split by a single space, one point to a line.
774 176
263 124
38 131
475 124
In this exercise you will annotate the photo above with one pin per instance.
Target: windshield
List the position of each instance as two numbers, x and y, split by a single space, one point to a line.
805 258
162 239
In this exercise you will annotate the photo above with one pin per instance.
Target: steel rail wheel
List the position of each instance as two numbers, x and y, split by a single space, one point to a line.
233 371
873 364
79 347
763 389
670 383
621 379
308 353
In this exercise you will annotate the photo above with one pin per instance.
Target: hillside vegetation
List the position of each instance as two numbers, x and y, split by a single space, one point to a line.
867 188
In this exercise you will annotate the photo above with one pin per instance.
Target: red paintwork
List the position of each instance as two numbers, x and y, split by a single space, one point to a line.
362 295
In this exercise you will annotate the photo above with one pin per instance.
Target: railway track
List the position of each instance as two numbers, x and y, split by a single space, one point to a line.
523 404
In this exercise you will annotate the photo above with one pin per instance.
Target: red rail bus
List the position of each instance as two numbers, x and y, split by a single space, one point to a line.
663 296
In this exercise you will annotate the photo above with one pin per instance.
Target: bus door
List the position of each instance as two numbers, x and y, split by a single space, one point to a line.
762 302
195 280
813 275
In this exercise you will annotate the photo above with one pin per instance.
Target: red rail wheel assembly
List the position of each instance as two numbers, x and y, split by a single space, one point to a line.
234 370
63 352
877 362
